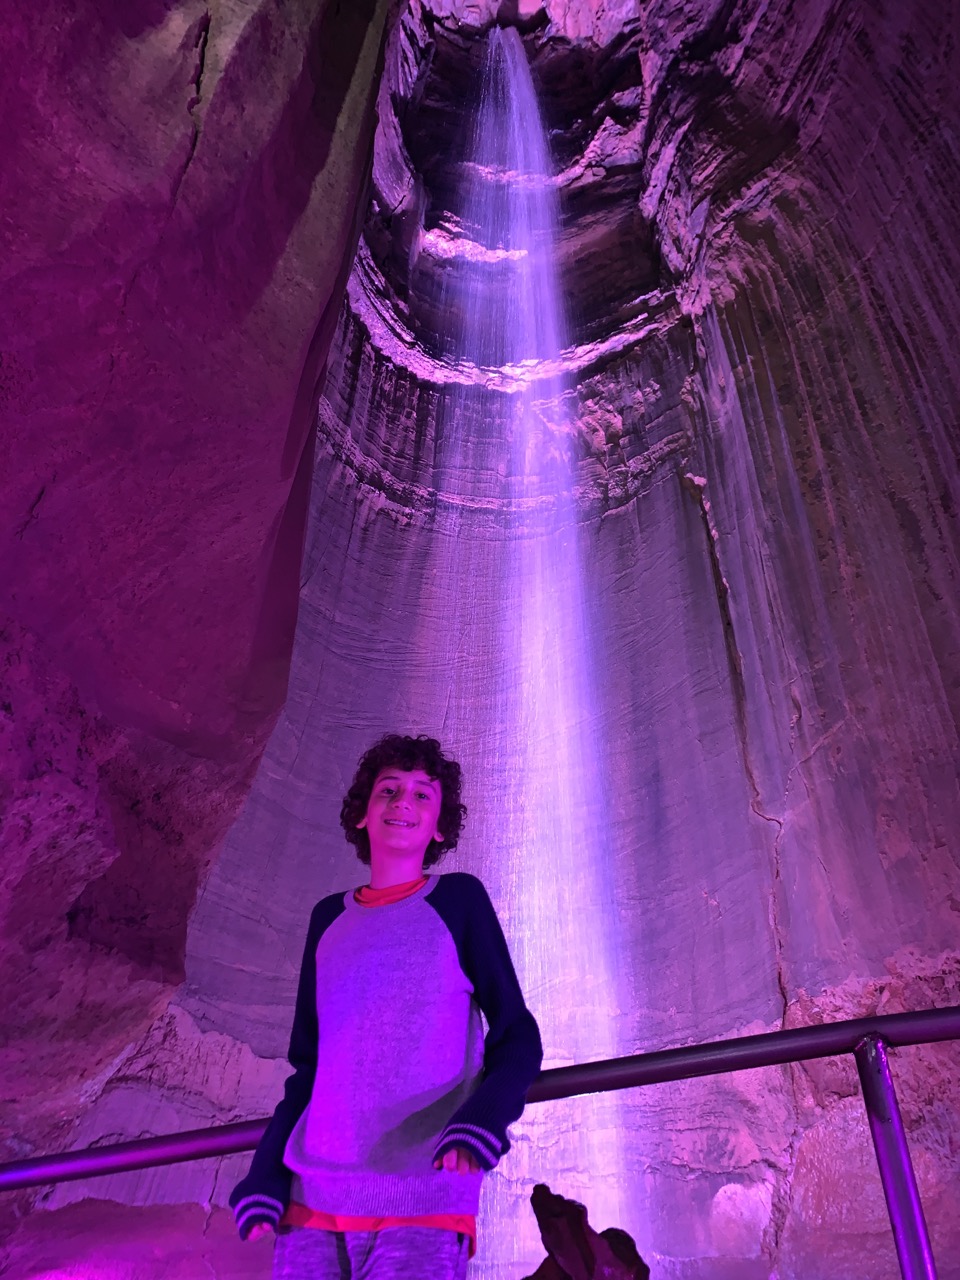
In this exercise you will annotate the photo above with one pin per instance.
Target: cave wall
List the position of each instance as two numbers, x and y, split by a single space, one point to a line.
180 192
768 483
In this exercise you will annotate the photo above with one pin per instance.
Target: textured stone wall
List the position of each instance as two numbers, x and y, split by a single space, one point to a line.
760 252
180 190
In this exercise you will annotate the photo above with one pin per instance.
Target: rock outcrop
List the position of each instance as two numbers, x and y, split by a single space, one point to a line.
574 1250
180 192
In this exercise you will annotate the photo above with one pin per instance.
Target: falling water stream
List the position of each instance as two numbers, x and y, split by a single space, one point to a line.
505 301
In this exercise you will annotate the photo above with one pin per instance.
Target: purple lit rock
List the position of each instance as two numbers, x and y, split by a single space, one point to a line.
180 191
574 1250
759 246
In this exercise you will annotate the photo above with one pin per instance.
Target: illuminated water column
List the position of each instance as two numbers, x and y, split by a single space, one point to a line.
507 331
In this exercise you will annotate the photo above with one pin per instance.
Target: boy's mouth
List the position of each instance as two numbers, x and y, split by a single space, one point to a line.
396 822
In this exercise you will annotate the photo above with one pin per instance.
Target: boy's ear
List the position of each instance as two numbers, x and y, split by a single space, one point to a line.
362 822
438 837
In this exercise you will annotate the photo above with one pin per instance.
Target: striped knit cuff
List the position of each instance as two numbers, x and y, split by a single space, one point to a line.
484 1145
253 1209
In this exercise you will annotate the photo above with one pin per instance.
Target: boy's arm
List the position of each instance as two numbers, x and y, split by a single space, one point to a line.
263 1195
512 1050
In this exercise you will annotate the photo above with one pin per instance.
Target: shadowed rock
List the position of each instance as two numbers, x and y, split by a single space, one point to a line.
179 212
574 1250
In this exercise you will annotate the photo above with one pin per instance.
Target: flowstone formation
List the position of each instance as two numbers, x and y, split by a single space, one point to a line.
758 249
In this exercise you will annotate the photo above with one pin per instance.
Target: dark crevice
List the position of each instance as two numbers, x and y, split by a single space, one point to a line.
696 486
201 36
31 514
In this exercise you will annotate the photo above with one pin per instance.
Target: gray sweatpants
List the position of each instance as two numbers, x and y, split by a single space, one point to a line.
396 1253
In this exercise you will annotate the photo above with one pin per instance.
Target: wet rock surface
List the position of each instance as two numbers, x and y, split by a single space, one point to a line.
759 244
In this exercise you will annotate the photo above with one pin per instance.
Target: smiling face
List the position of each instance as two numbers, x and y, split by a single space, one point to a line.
401 817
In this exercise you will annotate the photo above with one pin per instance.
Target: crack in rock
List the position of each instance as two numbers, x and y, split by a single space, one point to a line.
200 41
31 515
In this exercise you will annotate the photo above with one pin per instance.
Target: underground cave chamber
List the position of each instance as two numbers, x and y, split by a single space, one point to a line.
745 406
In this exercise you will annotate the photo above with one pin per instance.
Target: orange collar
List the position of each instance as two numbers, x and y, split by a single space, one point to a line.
369 897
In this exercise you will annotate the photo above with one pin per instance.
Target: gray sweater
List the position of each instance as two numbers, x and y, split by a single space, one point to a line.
390 1065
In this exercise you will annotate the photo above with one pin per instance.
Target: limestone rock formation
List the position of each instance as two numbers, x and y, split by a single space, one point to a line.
574 1250
180 191
759 247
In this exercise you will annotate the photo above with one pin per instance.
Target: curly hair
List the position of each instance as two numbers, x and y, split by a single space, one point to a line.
400 751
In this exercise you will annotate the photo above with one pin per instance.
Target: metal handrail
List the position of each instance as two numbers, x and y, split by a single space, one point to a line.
865 1038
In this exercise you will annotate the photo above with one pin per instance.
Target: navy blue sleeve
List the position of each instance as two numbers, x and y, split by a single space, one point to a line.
263 1195
512 1052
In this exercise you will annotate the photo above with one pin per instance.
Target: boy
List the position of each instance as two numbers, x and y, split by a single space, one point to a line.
371 1165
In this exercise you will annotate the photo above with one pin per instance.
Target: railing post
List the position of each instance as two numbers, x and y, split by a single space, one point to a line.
893 1157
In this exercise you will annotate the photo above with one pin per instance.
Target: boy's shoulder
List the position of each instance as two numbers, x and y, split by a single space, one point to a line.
460 884
459 896
332 901
326 911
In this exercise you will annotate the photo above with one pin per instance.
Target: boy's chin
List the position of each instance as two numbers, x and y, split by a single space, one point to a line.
397 847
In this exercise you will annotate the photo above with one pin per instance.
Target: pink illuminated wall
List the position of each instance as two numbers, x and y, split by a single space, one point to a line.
756 257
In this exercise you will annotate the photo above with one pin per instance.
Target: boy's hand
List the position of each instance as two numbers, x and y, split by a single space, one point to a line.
260 1229
458 1160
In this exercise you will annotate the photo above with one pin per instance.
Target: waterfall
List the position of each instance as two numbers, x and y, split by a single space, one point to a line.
550 805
